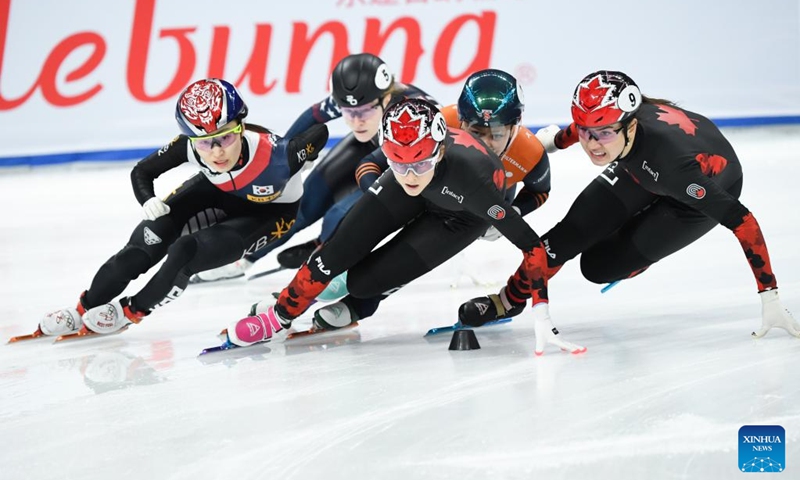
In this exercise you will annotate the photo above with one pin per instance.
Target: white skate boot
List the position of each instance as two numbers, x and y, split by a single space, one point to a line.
232 270
61 322
111 317
334 316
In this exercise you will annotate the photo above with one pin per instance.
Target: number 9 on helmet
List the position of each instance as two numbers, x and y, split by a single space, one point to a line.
605 97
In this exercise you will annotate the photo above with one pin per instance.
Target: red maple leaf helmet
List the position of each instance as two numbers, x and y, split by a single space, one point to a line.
412 130
605 97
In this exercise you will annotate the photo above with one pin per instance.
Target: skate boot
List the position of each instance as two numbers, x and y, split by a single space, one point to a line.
111 317
481 310
295 257
262 327
62 322
232 270
334 316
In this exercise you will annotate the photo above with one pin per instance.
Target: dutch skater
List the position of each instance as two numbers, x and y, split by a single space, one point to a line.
670 177
247 172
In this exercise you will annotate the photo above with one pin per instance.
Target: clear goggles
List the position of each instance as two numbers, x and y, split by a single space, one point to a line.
224 139
602 135
419 168
364 112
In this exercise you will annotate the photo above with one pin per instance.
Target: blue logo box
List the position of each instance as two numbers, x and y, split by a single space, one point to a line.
762 449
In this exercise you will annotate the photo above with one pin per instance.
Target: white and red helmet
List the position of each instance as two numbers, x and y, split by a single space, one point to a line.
412 131
603 98
206 105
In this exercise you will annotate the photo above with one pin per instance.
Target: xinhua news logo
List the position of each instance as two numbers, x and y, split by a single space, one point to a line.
762 449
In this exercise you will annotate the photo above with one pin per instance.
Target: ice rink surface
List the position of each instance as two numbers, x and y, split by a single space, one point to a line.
670 375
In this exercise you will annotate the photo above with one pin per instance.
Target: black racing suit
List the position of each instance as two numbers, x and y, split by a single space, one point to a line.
465 196
259 198
680 179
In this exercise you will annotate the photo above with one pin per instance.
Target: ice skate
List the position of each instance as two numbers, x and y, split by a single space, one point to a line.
334 316
482 310
262 327
62 322
226 272
111 317
295 257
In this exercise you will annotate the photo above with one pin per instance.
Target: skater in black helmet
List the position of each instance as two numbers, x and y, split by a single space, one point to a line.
247 172
670 177
361 88
443 189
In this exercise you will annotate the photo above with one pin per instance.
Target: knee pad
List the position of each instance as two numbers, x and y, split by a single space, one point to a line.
364 287
604 265
387 273
594 270
181 253
133 261
360 287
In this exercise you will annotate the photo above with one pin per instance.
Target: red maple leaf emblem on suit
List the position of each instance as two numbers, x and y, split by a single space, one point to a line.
673 116
499 179
462 138
711 164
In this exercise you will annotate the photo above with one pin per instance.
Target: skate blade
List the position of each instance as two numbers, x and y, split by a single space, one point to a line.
452 328
86 333
218 348
265 273
31 336
198 280
312 331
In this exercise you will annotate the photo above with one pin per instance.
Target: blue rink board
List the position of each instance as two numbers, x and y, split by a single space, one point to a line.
138 153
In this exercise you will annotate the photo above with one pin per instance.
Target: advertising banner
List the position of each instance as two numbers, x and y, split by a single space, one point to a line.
99 79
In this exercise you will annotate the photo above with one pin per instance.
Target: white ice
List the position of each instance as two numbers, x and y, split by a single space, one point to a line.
670 375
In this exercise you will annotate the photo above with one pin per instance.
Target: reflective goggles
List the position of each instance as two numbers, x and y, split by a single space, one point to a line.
224 139
601 135
419 168
364 112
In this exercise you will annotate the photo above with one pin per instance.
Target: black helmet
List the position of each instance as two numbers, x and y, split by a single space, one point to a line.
491 98
359 79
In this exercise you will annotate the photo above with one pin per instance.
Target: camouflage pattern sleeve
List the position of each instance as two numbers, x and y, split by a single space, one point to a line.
755 249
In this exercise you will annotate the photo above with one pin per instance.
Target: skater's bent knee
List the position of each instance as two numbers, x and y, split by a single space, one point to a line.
183 250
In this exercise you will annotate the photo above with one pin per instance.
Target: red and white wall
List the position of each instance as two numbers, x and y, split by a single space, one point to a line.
97 75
